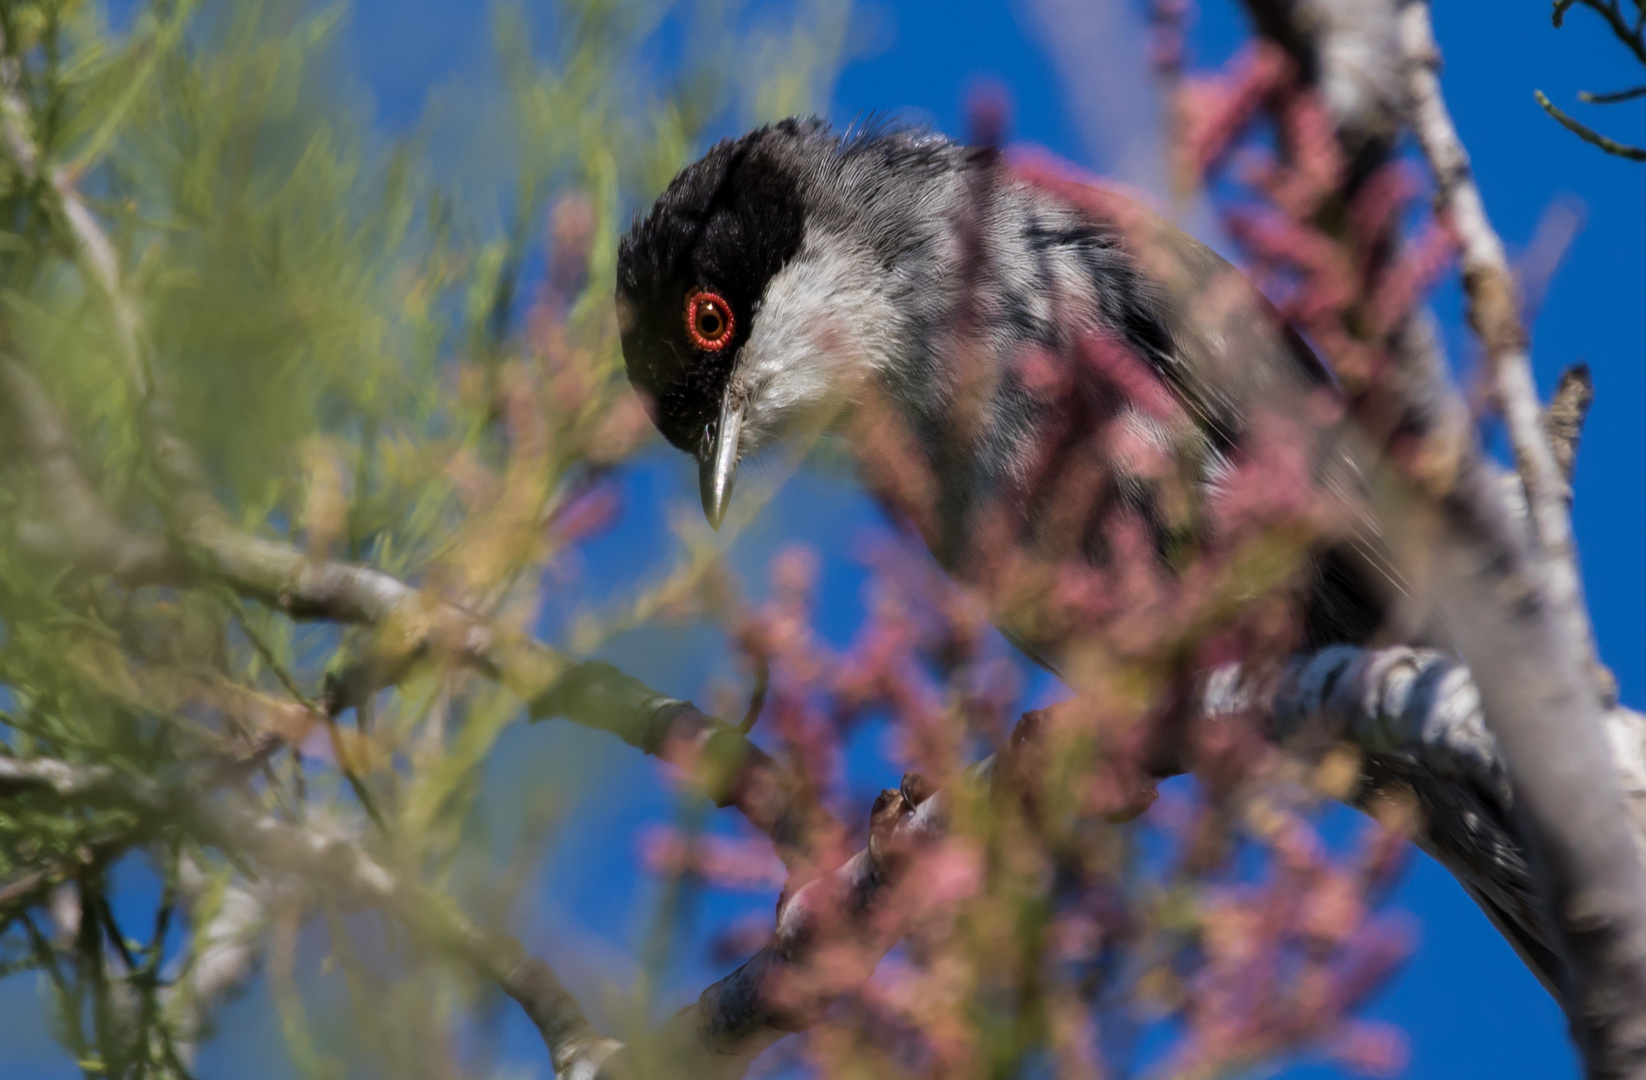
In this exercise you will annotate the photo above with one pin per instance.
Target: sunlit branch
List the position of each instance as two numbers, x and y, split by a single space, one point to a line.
1616 97
1589 134
1513 605
1494 313
340 865
224 952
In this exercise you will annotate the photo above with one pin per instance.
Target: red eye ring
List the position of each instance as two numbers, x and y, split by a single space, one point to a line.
709 320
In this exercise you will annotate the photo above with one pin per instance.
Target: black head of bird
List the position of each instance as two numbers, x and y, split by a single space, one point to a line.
794 276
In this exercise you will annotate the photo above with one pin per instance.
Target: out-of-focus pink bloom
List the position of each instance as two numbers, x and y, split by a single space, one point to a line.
1314 165
1371 1048
620 431
1332 908
1409 280
475 484
1212 112
586 514
741 863
1379 202
571 232
949 873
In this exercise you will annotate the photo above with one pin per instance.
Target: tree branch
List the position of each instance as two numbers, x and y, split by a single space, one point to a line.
1587 133
1512 600
830 935
1494 313
338 864
224 956
1630 35
1514 608
78 530
411 627
1414 715
1536 666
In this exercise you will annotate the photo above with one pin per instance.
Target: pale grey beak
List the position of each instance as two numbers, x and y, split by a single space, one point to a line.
717 466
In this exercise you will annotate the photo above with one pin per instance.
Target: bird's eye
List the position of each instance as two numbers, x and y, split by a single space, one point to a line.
709 320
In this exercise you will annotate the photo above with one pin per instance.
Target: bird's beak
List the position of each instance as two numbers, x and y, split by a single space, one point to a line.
717 467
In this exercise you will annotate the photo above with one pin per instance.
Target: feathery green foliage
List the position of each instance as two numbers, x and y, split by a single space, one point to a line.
342 330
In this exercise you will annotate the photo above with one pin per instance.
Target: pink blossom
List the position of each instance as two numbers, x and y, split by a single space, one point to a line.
1370 1048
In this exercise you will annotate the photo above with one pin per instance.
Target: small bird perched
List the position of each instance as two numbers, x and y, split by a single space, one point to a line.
1072 383
1069 382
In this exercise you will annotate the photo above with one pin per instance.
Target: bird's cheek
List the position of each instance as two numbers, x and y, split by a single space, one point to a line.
832 337
759 425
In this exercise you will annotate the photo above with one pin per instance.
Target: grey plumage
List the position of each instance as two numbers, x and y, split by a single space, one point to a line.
897 271
913 251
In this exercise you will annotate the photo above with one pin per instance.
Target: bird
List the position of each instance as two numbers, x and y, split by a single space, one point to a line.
795 278
1067 376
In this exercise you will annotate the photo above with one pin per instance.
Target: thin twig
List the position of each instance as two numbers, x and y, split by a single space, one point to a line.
1613 98
339 864
574 1047
411 627
1589 134
1629 35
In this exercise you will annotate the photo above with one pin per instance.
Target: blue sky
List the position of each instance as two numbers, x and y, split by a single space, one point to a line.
1468 1005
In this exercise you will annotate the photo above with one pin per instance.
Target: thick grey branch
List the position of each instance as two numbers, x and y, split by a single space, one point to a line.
1542 704
1512 603
1517 615
1494 313
1416 717
1348 49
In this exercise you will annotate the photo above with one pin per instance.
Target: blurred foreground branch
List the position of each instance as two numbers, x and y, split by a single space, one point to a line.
334 862
411 626
1416 714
